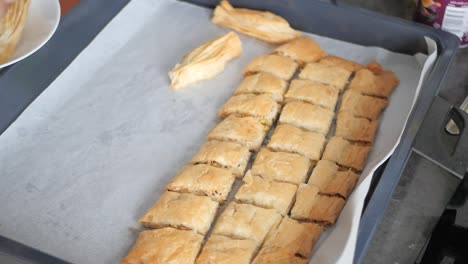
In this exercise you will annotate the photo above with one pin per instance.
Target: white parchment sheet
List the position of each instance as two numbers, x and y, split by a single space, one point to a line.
95 150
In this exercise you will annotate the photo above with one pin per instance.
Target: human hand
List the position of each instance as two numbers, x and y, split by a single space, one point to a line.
4 5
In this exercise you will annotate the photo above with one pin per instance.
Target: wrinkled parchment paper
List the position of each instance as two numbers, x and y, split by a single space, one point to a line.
95 150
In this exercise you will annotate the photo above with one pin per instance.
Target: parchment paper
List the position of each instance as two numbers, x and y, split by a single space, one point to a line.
96 149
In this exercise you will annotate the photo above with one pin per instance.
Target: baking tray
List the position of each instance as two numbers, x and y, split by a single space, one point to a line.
370 29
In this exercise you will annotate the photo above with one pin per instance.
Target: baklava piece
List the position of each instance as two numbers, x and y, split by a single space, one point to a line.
345 64
225 250
262 107
263 83
182 211
247 131
307 116
280 66
355 128
245 221
313 92
281 166
224 154
346 153
302 50
202 179
368 83
165 246
267 194
327 177
335 76
362 105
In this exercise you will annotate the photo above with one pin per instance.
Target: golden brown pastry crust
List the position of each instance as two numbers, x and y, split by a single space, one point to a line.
379 85
281 166
346 64
263 83
307 116
165 246
245 221
313 92
347 154
355 128
312 206
335 76
263 25
181 210
247 131
224 250
267 194
302 50
206 61
262 107
292 238
224 154
202 179
11 28
282 67
290 139
362 105
330 181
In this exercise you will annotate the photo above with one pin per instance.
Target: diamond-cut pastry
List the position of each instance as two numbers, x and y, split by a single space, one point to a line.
280 66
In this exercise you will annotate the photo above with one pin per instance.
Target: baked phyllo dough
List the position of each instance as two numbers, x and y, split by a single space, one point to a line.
11 27
369 83
267 194
263 83
330 180
362 105
312 206
245 221
291 139
302 50
281 166
335 76
206 61
313 92
165 246
183 211
307 116
290 239
346 64
202 179
224 154
355 128
347 154
261 106
262 25
280 66
247 131
225 250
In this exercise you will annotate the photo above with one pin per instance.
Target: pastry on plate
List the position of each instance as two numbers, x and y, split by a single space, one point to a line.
310 205
223 154
262 25
225 250
312 92
263 83
280 66
362 105
355 128
346 153
202 179
346 64
267 194
261 106
11 28
182 211
281 166
291 139
245 221
333 75
206 61
307 116
165 246
290 239
302 50
379 85
331 181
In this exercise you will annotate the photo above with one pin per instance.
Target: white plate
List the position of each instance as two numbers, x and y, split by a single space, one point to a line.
42 21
